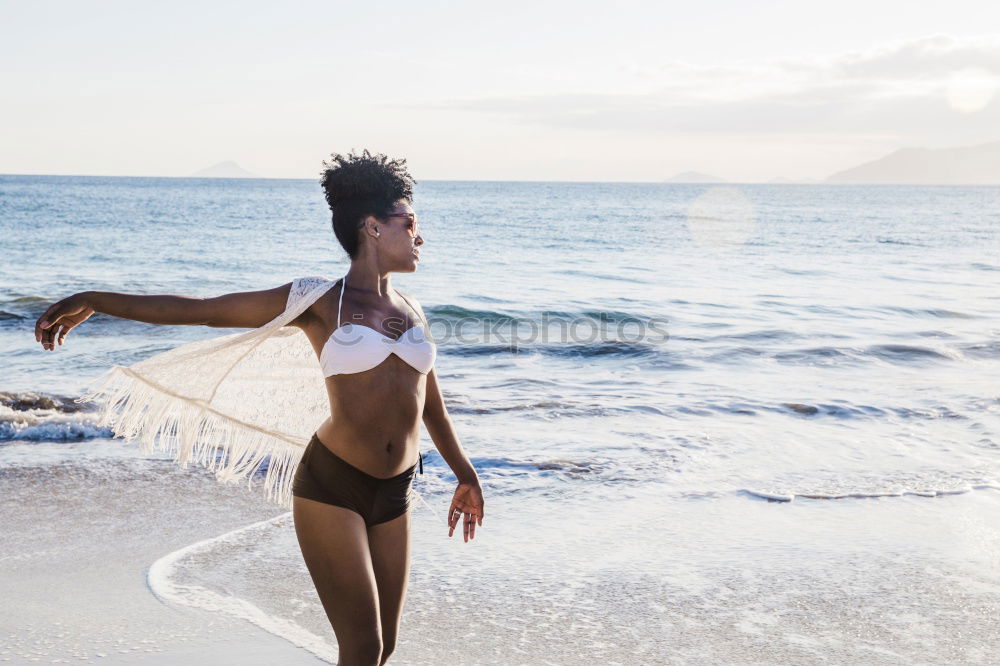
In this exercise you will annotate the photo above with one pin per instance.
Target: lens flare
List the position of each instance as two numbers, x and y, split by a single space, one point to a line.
721 218
971 89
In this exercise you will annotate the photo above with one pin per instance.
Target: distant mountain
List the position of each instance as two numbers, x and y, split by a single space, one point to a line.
966 165
227 169
694 177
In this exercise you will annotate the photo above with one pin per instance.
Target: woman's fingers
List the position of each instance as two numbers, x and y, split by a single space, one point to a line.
67 326
471 512
43 322
457 513
48 326
52 330
58 320
47 336
50 335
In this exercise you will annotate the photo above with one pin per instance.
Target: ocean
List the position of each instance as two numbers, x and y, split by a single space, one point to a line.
714 423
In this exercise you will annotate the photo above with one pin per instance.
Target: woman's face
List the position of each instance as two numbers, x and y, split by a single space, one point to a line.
400 238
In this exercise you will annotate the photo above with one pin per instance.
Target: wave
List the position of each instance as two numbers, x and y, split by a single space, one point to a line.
586 333
981 350
30 400
771 334
454 313
511 475
547 475
939 313
51 429
829 485
807 355
27 301
164 574
851 411
45 418
553 409
827 355
649 353
837 409
623 405
898 352
894 241
923 492
805 271
20 311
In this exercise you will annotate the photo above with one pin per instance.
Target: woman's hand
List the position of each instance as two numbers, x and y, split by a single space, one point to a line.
60 318
468 499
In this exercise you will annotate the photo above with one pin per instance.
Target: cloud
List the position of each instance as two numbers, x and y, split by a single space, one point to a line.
902 87
926 58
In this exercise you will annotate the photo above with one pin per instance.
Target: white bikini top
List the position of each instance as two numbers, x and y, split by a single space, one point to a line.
353 348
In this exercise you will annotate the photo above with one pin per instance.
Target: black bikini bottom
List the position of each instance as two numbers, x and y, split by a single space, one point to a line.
325 477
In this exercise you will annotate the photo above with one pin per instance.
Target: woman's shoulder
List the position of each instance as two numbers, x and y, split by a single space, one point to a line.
414 303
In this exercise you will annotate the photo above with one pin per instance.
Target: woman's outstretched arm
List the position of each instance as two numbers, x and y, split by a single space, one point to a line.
442 431
438 421
248 309
468 498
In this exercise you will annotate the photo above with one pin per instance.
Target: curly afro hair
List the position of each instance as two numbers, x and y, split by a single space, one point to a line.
357 186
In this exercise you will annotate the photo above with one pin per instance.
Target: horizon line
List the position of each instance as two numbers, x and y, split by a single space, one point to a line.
566 182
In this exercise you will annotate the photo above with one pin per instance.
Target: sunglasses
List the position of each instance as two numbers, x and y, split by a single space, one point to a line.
412 217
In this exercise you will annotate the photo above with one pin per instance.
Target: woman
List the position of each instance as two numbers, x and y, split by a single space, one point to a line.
352 486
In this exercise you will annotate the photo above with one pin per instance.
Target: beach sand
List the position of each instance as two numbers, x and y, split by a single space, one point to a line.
577 577
77 543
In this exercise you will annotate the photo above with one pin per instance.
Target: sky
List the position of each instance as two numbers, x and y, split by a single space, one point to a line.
556 91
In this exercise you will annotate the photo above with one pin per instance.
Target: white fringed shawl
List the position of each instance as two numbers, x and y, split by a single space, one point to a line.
249 396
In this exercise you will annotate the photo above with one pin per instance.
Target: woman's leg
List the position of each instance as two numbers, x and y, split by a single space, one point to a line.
334 544
389 543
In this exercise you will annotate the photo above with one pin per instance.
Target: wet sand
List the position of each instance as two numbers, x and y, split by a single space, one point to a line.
77 543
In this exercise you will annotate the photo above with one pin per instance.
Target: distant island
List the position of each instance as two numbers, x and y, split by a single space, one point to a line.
966 165
227 169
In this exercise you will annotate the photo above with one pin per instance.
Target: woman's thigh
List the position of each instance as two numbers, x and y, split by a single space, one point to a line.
389 543
334 543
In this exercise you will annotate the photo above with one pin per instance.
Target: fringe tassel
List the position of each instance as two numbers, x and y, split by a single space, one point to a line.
135 407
